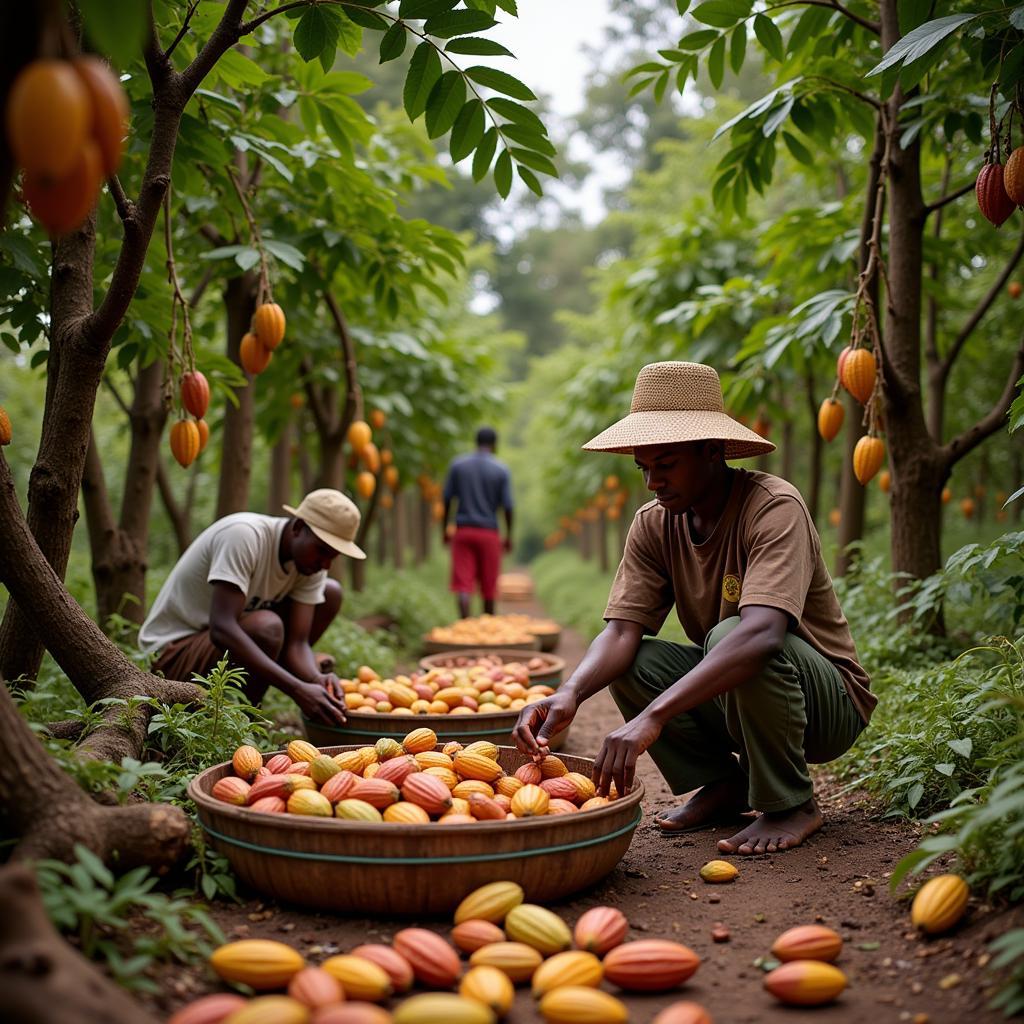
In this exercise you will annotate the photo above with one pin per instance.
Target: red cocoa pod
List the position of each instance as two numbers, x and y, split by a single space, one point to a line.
398 769
195 393
351 1013
231 790
995 205
314 987
376 792
433 961
650 965
339 787
269 805
560 788
279 764
529 774
210 1009
394 965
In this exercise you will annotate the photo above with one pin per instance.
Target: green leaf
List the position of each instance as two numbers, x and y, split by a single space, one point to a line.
682 6
799 151
392 43
458 23
535 160
418 9
11 342
514 112
484 154
721 13
917 43
738 48
467 131
477 46
500 81
660 85
367 19
531 180
529 139
912 13
316 32
697 40
716 62
769 36
424 71
444 103
287 254
962 747
350 39
503 174
122 36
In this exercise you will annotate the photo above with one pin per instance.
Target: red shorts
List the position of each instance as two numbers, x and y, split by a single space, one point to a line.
476 557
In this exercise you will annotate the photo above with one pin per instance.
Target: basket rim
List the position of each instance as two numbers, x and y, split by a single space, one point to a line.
342 826
556 663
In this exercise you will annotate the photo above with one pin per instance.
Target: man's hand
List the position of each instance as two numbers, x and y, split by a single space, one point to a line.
319 704
331 683
617 760
540 721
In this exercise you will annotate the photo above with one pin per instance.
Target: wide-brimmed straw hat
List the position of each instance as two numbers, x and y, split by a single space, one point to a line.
333 517
676 402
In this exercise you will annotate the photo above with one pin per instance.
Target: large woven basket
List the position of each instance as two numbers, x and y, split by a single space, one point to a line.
428 646
329 864
365 730
550 675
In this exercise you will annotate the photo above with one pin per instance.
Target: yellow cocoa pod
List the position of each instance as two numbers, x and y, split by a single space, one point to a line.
594 803
421 741
300 750
361 979
516 959
443 1008
451 748
459 806
530 802
489 986
268 323
868 454
357 810
552 767
719 871
808 942
576 1004
387 749
538 927
805 983
309 801
401 696
405 813
259 963
490 902
508 785
450 696
483 747
939 903
585 788
322 767
575 967
270 1010
350 761
446 775
468 787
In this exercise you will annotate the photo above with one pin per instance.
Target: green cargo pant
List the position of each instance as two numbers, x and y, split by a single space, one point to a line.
795 711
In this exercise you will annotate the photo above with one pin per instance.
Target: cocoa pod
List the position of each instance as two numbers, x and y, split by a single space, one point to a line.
995 205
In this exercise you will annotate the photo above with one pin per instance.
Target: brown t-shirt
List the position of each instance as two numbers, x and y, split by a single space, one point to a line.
764 550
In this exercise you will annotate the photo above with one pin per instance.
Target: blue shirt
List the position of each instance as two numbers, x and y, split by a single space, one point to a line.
481 485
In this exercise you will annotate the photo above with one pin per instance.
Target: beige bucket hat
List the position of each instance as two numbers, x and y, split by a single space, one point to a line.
332 517
674 402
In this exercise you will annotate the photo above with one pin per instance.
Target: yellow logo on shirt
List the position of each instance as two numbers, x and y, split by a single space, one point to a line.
731 589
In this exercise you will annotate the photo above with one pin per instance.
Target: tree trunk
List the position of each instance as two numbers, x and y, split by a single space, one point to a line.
398 532
236 454
119 551
43 979
851 494
280 490
178 514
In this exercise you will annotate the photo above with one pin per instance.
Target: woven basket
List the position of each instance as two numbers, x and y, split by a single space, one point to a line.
365 730
550 675
429 646
358 867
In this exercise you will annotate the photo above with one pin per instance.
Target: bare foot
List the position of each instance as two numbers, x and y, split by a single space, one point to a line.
719 801
779 830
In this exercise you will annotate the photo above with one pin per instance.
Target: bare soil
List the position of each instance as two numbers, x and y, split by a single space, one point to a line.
839 878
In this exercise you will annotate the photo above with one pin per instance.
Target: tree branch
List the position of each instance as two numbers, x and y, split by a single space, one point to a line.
224 36
251 26
117 395
314 398
863 97
992 420
871 26
983 307
353 393
181 32
200 288
125 207
952 197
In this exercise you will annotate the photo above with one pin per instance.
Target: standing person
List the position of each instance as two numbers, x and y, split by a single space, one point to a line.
256 587
771 681
479 485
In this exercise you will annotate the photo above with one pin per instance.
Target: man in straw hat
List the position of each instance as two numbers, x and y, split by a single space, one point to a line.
774 682
256 587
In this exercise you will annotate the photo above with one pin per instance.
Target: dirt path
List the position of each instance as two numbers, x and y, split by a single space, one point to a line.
839 879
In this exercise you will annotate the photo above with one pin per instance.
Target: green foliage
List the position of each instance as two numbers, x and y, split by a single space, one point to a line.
104 913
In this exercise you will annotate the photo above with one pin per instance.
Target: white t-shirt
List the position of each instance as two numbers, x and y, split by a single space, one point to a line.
241 549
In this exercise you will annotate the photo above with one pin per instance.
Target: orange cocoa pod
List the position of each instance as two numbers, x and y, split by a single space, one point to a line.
469 936
387 457
360 978
990 190
231 790
867 457
397 769
1013 177
314 987
254 355
683 1013
5 427
394 965
807 942
268 325
213 1009
484 808
558 805
529 774
650 965
247 761
269 805
552 767
601 929
805 983
859 372
559 788
204 434
885 481
48 118
366 484
830 418
377 419
63 204
195 393
433 961
370 457
359 434
351 1013
185 442
405 813
421 741
428 792
391 477
109 109
379 793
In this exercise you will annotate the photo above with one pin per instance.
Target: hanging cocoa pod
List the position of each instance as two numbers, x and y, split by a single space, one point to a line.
1013 176
995 205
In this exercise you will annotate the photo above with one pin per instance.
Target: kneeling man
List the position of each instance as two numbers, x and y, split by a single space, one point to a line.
256 586
774 683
